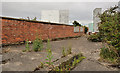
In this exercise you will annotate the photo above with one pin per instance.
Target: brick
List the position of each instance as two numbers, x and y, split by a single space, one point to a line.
28 30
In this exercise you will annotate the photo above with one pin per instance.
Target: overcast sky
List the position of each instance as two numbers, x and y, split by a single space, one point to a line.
81 11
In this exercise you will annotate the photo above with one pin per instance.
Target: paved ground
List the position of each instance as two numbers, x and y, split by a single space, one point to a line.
91 51
20 61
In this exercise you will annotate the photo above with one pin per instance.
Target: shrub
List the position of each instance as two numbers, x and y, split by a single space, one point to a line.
37 45
94 38
108 54
109 30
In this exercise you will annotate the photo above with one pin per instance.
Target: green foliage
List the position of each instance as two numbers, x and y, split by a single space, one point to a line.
69 50
41 65
68 67
94 38
86 29
63 52
109 30
108 54
70 64
48 44
37 44
49 52
56 69
75 23
74 62
49 57
27 45
24 50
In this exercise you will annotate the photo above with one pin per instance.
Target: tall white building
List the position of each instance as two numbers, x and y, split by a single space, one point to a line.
119 6
96 18
55 16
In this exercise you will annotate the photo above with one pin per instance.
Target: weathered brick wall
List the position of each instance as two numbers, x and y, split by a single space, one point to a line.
17 30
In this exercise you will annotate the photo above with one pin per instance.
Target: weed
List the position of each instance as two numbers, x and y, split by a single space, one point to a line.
48 44
23 50
49 57
63 52
27 45
41 65
66 53
69 50
56 69
37 44
69 65
74 62
80 58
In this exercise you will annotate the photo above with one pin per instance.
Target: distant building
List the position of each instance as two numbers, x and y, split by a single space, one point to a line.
85 25
96 18
55 16
90 27
119 6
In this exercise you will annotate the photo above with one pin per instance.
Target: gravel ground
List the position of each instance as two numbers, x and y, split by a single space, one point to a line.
28 61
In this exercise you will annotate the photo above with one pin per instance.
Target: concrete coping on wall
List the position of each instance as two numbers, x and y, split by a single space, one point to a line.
10 18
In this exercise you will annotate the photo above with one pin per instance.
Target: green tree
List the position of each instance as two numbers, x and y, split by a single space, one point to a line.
75 23
86 29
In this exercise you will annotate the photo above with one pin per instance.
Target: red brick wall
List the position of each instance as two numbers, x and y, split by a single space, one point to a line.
16 30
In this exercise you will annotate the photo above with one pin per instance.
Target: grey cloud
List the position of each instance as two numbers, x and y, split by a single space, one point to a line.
81 11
